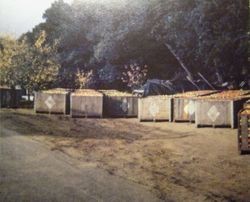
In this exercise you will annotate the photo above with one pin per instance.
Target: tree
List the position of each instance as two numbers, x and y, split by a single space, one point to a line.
41 70
204 36
84 80
12 57
134 75
208 36
32 67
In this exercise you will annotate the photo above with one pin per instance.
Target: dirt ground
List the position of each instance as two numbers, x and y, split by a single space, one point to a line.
176 161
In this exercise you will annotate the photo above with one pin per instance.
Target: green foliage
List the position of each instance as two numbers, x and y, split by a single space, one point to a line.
43 68
83 80
12 55
208 36
32 67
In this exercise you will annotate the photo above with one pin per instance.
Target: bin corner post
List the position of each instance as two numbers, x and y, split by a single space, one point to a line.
67 103
35 101
196 115
101 108
171 110
70 104
239 132
233 122
139 109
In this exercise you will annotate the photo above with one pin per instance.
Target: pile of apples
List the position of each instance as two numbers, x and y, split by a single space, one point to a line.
56 91
86 92
191 94
115 93
230 94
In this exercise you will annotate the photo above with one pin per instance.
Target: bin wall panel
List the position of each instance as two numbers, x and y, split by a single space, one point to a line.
217 112
86 106
155 108
184 109
120 106
51 103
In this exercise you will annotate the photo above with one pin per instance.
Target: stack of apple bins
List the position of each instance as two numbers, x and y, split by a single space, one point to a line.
155 108
119 104
184 105
86 103
220 109
244 129
54 101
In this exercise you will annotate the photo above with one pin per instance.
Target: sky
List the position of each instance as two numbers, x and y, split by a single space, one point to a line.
20 16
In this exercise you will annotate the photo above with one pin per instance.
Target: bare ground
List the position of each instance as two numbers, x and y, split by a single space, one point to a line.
175 161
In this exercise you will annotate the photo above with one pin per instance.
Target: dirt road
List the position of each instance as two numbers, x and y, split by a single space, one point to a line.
176 161
30 171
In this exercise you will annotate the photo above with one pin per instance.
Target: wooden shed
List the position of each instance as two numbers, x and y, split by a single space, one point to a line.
119 104
155 108
86 103
54 101
220 109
